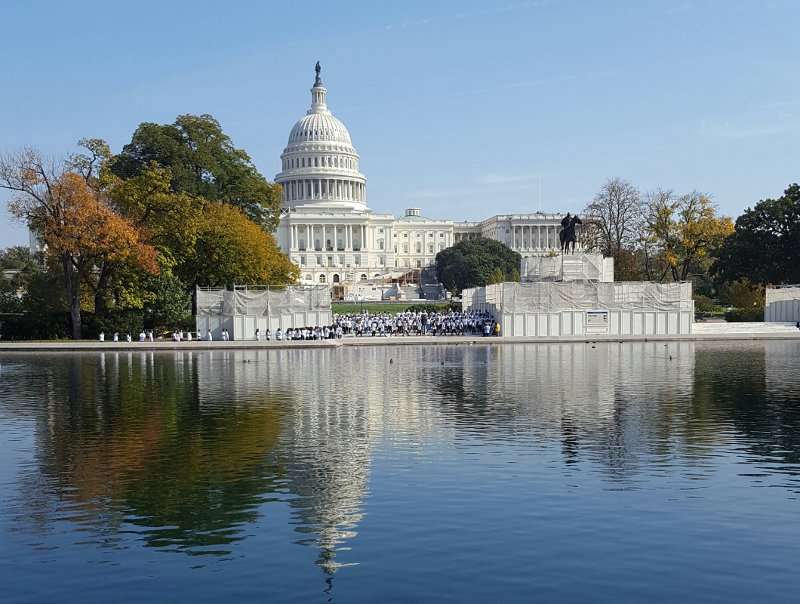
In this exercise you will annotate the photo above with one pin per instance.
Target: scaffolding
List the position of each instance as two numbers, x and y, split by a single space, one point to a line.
248 308
567 267
262 300
572 308
782 304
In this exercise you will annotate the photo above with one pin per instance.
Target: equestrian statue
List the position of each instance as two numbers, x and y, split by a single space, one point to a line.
567 233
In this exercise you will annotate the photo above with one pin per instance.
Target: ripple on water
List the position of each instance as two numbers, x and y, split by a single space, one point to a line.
555 472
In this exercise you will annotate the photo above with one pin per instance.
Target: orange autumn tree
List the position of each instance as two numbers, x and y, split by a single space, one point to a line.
65 204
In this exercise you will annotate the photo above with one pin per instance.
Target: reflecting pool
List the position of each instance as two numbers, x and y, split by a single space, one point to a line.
607 472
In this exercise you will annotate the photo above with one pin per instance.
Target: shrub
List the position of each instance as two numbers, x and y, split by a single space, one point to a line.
703 304
745 294
745 315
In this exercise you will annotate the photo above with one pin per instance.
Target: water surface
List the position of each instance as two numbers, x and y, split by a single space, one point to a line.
552 472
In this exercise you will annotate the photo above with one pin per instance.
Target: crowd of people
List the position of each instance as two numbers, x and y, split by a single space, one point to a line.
411 323
386 324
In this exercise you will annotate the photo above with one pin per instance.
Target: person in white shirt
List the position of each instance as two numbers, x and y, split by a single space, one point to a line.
102 337
188 336
258 336
150 335
116 336
209 337
278 335
266 334
127 337
142 336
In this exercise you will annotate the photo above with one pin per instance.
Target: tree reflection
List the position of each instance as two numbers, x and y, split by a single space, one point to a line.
133 451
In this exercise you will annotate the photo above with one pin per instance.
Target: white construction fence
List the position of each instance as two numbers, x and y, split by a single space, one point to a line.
567 267
782 304
248 308
557 308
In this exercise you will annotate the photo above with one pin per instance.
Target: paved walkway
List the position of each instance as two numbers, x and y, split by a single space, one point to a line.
702 332
744 328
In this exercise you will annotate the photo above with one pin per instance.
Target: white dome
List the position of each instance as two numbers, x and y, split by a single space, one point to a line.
319 127
319 163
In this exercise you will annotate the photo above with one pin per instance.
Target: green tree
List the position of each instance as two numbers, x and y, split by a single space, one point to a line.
515 277
497 276
470 263
765 245
15 258
203 163
170 307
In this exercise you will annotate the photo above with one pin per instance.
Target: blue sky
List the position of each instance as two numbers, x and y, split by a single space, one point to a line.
455 107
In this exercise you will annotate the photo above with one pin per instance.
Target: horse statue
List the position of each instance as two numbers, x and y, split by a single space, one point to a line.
567 233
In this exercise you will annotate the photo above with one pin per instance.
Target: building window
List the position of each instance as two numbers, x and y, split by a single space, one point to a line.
441 235
380 244
430 249
382 260
302 260
419 247
336 278
322 278
341 260
357 259
319 260
339 244
363 277
418 235
441 247
308 277
380 230
405 248
430 235
405 235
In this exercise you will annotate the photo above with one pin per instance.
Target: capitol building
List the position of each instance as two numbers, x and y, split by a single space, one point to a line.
329 231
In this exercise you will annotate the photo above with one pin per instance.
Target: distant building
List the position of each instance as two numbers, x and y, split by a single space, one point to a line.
328 230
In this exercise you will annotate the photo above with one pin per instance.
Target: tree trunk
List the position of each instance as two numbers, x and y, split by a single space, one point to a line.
102 286
73 295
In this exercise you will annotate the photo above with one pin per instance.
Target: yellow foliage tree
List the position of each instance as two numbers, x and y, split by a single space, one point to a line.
684 230
230 249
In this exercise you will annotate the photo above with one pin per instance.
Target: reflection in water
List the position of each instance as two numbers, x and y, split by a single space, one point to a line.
179 451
